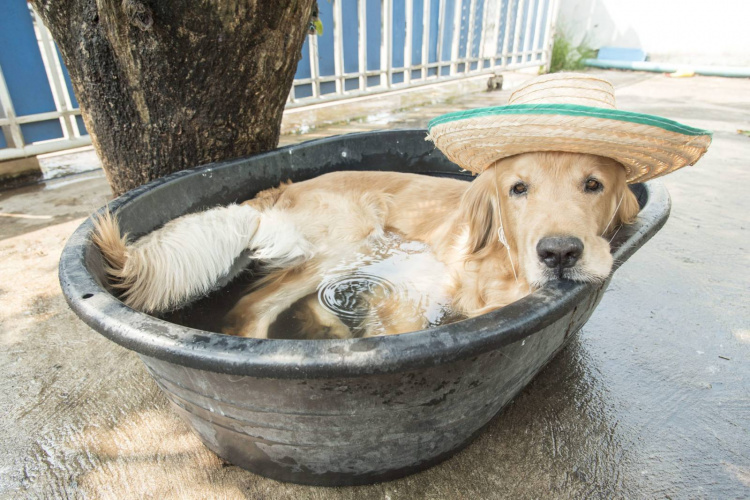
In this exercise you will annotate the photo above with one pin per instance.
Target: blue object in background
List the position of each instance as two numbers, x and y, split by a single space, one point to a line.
463 35
304 90
398 43
28 85
621 54
326 65
349 17
303 65
303 71
399 34
528 45
372 18
417 32
477 32
24 72
372 21
447 37
350 30
434 27
511 29
521 40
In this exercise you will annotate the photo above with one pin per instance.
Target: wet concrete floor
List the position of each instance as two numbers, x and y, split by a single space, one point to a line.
652 399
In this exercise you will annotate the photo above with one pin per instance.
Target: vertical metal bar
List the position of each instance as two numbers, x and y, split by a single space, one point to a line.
441 35
517 31
15 139
386 22
409 12
470 36
55 79
426 38
389 41
483 36
362 45
549 33
338 46
496 37
537 29
314 78
514 47
457 8
527 31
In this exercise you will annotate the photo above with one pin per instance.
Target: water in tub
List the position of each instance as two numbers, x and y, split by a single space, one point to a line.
391 285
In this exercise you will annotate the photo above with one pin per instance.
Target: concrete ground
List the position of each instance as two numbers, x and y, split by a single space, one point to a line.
652 400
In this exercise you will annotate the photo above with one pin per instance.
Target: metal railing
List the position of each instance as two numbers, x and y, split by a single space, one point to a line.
367 47
420 42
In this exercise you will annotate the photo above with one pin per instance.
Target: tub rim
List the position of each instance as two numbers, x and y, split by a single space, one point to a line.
276 358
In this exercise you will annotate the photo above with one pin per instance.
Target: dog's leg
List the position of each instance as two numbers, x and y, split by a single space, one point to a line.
390 315
254 313
316 322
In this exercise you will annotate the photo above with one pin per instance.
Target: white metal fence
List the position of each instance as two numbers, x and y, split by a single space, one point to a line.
441 40
368 46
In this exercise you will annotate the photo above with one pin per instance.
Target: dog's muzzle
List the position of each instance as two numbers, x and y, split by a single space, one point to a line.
559 252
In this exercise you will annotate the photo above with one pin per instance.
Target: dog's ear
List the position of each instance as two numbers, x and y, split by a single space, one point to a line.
479 208
629 207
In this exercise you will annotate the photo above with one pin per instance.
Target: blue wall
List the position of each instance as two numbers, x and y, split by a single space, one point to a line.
28 85
25 75
24 71
373 13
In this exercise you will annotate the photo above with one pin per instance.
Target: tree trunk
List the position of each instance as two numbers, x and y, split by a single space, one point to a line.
166 85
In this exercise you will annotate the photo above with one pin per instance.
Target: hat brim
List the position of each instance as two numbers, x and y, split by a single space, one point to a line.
647 146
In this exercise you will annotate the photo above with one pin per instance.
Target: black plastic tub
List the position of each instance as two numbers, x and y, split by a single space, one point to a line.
335 412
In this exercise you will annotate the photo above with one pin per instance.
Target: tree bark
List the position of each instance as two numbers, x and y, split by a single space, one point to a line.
166 85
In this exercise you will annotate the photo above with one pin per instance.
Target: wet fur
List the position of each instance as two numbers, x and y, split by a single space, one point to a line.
301 230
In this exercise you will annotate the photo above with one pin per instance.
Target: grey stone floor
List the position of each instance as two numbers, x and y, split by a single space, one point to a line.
652 400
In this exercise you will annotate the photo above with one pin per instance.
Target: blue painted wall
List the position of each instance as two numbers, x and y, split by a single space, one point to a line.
477 31
350 16
417 32
24 71
29 89
521 40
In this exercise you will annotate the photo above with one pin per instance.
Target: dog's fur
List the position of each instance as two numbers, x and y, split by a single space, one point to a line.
302 230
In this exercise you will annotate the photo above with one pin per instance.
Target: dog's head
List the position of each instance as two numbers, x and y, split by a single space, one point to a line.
555 210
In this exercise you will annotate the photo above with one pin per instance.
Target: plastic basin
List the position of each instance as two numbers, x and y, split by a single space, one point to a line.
335 412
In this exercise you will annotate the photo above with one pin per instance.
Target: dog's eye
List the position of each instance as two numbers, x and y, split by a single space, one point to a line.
519 188
592 185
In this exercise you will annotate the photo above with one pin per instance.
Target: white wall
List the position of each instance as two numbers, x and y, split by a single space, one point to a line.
689 31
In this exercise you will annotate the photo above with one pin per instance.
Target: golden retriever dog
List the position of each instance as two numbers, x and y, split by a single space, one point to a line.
526 220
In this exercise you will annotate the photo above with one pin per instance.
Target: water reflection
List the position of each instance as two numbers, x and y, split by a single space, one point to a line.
393 285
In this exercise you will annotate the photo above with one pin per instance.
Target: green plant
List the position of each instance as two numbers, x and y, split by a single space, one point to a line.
567 57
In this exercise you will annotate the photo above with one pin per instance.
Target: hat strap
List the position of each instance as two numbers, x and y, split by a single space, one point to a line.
501 232
617 208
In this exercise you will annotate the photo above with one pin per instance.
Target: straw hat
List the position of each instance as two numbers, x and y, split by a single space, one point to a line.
568 112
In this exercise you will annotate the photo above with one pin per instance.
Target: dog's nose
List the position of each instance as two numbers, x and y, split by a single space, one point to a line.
559 252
